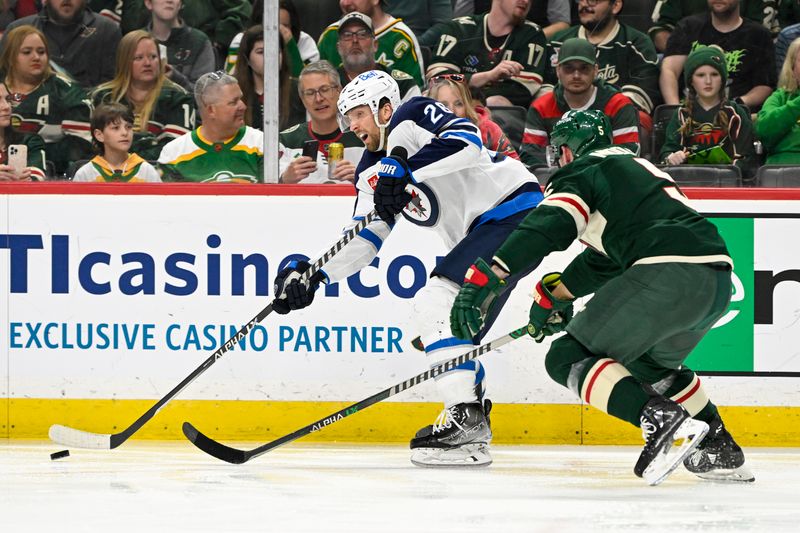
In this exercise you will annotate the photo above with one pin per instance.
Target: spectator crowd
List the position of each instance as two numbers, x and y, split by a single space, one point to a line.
172 90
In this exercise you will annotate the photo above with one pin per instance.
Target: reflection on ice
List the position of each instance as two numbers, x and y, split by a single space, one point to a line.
145 486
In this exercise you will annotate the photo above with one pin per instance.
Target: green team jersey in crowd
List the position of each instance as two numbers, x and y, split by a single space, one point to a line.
58 111
173 116
291 146
398 48
626 59
464 46
193 158
36 149
667 13
627 211
735 141
134 170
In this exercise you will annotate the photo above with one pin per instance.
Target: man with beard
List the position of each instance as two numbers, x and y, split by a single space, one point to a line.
357 47
625 56
749 53
396 46
578 88
500 53
223 149
319 88
667 13
81 42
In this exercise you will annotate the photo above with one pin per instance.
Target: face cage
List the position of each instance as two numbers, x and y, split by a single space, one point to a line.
551 155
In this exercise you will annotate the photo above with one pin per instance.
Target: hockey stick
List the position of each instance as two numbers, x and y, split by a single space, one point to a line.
76 438
236 456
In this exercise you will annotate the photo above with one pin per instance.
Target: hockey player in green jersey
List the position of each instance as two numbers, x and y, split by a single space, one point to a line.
661 278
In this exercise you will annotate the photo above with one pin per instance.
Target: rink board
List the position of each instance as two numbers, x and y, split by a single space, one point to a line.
112 295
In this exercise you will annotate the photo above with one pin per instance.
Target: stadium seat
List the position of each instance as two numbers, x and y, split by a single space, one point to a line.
661 116
778 176
512 120
705 175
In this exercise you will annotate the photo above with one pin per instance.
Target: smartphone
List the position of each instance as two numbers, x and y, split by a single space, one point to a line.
18 157
162 52
310 149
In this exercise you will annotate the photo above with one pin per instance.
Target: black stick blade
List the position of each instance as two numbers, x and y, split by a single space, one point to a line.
212 447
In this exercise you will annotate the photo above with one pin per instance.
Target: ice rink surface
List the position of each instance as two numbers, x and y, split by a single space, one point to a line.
154 487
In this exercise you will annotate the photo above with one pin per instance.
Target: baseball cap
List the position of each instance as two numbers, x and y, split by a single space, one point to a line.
577 49
355 16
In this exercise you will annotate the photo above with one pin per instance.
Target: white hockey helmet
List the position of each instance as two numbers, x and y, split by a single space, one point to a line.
368 88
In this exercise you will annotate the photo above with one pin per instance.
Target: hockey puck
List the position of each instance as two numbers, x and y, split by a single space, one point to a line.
59 455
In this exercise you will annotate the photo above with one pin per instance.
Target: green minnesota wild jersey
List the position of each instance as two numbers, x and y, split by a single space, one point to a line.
58 111
626 59
193 158
398 48
173 116
291 146
464 46
626 210
134 170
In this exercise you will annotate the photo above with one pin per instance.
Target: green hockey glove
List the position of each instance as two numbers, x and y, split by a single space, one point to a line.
548 314
475 299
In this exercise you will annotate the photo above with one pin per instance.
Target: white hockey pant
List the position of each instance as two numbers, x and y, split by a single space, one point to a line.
432 312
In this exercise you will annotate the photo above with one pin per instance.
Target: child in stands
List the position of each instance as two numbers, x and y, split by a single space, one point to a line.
112 135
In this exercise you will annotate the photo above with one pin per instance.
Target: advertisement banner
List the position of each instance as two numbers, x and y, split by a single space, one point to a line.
120 297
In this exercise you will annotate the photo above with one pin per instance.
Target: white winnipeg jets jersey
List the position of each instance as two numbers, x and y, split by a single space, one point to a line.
455 182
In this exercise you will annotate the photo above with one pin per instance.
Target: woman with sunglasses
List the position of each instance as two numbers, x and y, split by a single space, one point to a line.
450 90
162 109
43 101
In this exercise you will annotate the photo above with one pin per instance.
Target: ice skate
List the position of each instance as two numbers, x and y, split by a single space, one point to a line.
718 457
459 437
663 423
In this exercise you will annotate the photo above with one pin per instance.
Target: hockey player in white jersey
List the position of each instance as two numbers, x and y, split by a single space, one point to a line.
438 176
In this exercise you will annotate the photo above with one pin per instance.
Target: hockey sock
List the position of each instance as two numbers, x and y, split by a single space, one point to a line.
432 314
599 381
683 386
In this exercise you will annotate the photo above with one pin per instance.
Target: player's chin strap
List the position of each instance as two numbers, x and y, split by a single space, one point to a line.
382 129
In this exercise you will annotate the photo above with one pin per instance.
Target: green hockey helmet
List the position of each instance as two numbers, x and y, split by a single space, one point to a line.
581 131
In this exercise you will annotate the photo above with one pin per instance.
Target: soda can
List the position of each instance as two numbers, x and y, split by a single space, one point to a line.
335 154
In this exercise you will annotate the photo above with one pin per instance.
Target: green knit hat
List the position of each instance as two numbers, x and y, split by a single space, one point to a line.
712 56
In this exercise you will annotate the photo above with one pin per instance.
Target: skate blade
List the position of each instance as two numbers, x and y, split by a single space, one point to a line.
729 475
469 456
692 432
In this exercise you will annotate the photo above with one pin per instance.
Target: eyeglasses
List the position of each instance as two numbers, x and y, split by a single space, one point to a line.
361 35
217 75
592 3
323 91
458 78
15 98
